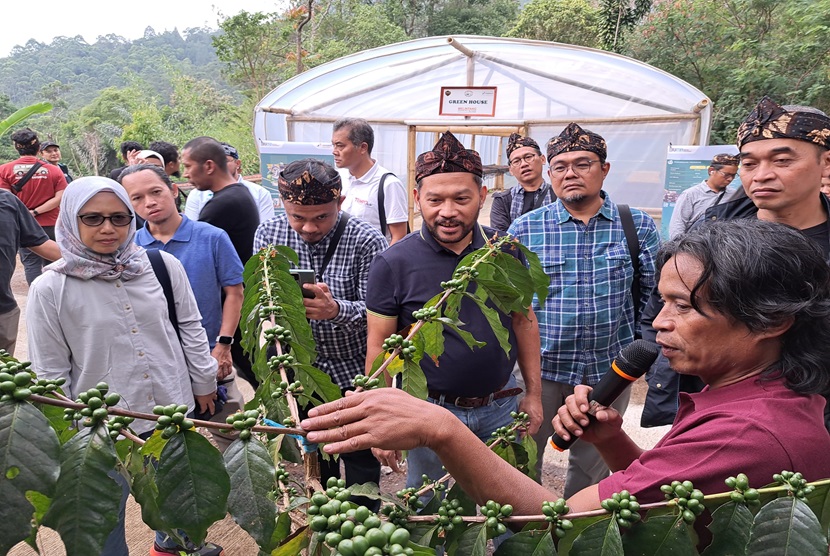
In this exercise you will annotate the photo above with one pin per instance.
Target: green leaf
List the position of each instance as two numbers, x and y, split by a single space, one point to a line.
538 542
29 461
432 334
85 507
17 117
41 504
473 541
819 502
282 530
144 491
193 484
494 320
659 536
600 539
425 534
541 281
530 447
414 380
317 382
252 477
786 526
466 336
731 524
452 306
294 545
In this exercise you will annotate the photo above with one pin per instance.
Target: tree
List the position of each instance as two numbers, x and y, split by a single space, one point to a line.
254 47
565 21
617 17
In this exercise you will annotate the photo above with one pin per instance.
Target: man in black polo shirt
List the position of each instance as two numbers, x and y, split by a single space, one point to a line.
475 384
232 209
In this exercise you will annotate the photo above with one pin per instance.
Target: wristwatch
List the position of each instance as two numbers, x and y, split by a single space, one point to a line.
35 212
227 340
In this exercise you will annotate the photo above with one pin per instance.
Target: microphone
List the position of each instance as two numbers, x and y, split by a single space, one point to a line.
632 363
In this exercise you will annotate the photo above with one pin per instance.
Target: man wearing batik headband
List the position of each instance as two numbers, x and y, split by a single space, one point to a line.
692 203
784 157
339 249
589 314
525 161
475 385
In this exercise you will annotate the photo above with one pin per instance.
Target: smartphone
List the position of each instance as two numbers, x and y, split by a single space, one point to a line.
303 276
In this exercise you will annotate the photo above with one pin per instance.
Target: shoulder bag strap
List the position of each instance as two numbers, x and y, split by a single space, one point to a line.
18 187
633 242
381 201
335 239
163 277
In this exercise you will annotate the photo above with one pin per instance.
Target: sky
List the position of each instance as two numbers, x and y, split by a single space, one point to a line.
92 18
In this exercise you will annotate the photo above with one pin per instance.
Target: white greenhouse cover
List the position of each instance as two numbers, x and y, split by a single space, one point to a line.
542 86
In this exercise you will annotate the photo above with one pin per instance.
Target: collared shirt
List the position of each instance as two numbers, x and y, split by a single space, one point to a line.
42 186
362 197
690 207
509 205
589 312
341 341
119 332
407 275
211 263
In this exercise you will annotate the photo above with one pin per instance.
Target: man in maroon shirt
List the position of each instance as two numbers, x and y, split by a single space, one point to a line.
747 309
41 191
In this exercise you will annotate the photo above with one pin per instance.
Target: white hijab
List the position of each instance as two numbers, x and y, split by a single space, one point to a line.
128 261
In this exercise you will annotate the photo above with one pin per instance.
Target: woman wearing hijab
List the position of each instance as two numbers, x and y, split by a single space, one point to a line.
100 314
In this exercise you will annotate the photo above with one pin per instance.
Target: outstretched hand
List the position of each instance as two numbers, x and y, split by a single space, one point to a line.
386 418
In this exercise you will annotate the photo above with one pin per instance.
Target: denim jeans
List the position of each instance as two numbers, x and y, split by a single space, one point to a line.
33 263
481 420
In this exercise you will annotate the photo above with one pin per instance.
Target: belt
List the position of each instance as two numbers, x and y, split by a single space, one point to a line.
460 401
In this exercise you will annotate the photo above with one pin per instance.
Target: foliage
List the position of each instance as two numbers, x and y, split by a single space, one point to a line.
617 18
564 21
737 51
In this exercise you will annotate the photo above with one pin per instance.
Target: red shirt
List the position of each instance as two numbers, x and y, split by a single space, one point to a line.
42 186
753 427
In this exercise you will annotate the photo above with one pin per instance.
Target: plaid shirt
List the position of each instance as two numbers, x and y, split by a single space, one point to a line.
341 341
589 312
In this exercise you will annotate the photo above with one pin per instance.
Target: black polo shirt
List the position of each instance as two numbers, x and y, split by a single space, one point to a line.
407 275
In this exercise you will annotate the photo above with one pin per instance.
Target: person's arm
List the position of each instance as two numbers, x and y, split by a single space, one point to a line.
391 419
529 351
680 216
397 231
52 203
265 204
231 309
193 204
48 250
500 212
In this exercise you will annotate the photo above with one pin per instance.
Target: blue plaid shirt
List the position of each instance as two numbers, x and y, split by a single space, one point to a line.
589 313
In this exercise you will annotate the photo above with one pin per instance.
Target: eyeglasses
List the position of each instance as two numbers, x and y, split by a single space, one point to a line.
580 168
729 177
526 158
119 219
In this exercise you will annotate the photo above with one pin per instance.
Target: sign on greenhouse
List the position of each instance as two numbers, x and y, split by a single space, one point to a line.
468 101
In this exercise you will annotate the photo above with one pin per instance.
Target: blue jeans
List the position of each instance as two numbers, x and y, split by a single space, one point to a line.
481 420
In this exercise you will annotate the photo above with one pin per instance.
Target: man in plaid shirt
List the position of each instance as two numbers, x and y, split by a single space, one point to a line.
589 312
312 222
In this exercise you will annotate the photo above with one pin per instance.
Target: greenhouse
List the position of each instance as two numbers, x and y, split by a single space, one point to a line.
536 89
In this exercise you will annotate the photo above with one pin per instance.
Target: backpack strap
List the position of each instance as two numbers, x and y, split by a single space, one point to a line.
633 242
335 239
160 269
18 187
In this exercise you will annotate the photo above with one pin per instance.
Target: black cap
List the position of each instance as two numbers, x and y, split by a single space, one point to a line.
46 144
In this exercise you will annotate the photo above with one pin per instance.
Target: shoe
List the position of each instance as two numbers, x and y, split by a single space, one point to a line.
207 549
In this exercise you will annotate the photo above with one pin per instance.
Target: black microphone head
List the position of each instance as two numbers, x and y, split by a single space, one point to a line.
637 357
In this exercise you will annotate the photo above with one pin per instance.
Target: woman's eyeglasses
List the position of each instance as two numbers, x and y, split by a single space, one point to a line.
119 219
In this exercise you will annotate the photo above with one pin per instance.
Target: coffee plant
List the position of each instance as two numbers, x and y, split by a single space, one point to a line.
58 456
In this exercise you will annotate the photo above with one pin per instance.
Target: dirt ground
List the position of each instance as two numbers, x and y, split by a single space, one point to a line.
236 541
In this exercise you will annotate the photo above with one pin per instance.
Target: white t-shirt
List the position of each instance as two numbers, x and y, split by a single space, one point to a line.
197 199
362 197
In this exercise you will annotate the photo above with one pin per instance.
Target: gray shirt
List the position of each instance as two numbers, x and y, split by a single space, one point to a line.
119 332
690 206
